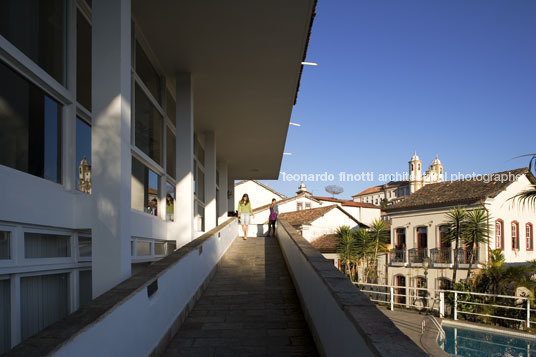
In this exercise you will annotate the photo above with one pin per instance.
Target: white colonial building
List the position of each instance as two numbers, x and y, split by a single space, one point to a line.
420 256
259 193
394 191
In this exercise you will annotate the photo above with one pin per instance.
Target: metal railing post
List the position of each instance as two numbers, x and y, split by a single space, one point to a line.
528 313
455 305
441 304
391 290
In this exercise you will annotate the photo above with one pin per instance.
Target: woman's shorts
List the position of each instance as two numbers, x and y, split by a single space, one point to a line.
244 218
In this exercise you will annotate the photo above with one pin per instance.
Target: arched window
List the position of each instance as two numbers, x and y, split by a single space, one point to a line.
529 235
499 234
400 282
515 235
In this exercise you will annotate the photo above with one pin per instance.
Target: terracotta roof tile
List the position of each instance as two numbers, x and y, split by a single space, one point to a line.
326 243
459 192
348 203
306 216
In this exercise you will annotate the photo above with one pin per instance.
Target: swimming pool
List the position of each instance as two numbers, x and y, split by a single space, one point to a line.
465 341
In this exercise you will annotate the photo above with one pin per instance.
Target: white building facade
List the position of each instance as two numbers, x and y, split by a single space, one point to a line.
147 95
420 256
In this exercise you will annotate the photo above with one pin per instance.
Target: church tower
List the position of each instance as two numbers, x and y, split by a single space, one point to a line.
437 171
302 189
415 173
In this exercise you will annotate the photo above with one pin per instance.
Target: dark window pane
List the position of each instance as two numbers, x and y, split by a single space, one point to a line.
148 74
5 315
84 246
37 29
145 188
170 152
148 127
159 248
170 106
5 245
83 156
44 299
85 286
30 127
39 245
83 61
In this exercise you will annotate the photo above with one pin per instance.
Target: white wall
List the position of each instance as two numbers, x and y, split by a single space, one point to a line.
501 207
289 206
148 318
327 224
258 195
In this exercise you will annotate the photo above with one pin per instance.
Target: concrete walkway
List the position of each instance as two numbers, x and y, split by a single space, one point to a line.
249 309
409 322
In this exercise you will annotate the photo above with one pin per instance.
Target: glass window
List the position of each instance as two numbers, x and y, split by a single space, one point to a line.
30 127
44 300
200 217
400 238
40 245
515 241
85 289
83 61
84 246
5 245
148 73
37 29
5 315
307 205
143 248
159 248
200 190
170 106
529 235
498 235
199 152
171 246
443 231
148 131
422 237
299 206
83 156
170 152
145 188
170 202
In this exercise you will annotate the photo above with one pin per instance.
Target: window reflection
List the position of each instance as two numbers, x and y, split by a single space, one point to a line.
30 127
148 130
145 188
83 61
148 73
83 156
170 152
170 202
37 29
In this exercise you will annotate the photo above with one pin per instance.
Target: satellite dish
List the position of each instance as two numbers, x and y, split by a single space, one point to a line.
334 189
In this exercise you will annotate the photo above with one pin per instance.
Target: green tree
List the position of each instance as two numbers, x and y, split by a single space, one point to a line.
475 231
365 248
346 248
455 224
379 237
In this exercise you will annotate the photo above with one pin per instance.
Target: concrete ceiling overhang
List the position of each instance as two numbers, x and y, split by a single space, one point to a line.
245 59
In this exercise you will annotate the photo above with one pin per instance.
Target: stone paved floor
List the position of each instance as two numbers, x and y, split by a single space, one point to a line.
249 309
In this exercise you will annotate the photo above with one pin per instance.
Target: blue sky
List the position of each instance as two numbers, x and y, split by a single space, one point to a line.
455 78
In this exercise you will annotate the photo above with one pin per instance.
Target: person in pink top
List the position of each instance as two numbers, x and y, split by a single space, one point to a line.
274 211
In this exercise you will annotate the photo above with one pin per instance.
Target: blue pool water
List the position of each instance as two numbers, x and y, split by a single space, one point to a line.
467 342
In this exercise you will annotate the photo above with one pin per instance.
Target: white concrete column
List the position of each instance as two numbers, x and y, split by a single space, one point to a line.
211 216
184 202
110 142
222 199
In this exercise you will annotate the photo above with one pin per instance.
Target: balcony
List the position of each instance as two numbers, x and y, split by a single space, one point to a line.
222 295
417 256
398 257
441 257
463 257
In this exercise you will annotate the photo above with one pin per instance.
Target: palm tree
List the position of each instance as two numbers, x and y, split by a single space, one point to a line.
347 248
455 223
529 196
475 231
365 248
379 237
